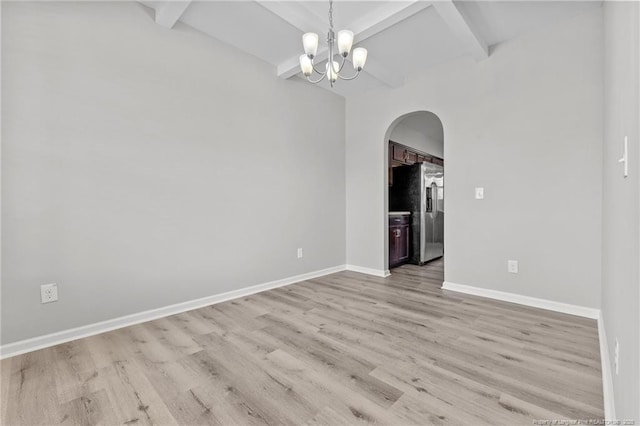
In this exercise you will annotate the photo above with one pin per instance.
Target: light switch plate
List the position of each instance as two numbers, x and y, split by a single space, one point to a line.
479 193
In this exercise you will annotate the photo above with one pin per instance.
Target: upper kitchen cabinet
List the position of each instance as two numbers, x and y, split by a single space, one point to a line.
401 155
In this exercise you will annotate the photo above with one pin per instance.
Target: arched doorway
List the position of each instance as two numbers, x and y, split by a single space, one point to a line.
415 190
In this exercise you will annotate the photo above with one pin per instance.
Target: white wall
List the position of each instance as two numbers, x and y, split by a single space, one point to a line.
621 202
144 167
422 131
525 124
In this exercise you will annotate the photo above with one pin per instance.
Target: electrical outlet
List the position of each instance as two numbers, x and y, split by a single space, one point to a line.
48 293
300 253
512 266
479 193
616 357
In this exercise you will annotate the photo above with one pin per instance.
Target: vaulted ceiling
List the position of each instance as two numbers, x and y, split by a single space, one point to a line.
404 38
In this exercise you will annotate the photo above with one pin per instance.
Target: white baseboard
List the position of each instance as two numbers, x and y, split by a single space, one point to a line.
40 342
607 378
581 311
368 271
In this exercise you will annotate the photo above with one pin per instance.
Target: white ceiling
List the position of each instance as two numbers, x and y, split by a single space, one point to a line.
404 38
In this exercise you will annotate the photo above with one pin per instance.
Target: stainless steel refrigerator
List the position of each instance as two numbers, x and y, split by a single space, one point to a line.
419 188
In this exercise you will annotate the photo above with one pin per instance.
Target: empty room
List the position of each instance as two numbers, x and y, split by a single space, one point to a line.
233 212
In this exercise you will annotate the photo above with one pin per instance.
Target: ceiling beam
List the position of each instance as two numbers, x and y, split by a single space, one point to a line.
291 66
461 27
296 15
168 13
369 25
384 17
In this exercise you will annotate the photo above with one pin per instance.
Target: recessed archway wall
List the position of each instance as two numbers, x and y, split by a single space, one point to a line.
526 125
434 121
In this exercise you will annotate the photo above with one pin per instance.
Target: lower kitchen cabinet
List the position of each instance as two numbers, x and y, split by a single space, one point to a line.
398 239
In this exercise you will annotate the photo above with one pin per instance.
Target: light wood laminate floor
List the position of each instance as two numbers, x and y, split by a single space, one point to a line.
342 349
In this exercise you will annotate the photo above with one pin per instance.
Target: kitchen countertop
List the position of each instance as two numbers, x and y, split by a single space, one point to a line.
399 213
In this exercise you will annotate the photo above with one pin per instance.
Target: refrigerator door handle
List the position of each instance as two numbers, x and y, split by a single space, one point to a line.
434 195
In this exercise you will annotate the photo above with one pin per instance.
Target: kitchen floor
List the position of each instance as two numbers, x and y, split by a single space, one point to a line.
346 348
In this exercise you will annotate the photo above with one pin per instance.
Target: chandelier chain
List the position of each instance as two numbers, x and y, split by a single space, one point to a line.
331 14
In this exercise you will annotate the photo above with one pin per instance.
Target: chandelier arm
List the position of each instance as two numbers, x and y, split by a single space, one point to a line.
350 78
318 80
316 70
344 59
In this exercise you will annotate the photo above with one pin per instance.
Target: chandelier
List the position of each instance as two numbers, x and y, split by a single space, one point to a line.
333 68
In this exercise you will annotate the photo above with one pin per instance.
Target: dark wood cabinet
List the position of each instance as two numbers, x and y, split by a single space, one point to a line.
403 155
398 240
400 155
400 152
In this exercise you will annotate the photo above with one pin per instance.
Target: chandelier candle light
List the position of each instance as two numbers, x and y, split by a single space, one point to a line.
331 72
